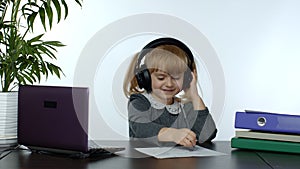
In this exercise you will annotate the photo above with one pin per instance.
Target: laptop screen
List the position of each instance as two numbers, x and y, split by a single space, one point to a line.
53 117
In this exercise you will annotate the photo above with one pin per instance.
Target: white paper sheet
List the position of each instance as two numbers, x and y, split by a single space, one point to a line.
177 151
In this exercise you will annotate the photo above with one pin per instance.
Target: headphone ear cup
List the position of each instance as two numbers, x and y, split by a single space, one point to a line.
143 78
187 79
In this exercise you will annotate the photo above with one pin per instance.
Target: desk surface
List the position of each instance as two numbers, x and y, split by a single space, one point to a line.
236 159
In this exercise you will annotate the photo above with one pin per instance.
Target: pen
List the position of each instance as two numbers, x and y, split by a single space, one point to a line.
193 148
188 126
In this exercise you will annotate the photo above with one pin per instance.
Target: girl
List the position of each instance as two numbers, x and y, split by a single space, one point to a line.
164 105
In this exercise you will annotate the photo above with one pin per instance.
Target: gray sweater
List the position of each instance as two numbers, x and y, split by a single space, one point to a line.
145 121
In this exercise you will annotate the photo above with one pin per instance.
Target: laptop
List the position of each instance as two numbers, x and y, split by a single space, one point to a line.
54 119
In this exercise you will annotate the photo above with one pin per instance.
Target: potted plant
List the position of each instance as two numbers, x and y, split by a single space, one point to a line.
25 58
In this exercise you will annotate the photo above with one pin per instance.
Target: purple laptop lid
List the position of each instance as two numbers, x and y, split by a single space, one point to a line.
53 117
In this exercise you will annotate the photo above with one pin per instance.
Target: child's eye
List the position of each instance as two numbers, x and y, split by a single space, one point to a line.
160 78
176 77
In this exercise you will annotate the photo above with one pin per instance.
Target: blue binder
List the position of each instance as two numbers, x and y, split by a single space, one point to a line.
264 121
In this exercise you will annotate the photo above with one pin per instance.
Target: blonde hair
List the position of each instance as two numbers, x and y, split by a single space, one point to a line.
168 58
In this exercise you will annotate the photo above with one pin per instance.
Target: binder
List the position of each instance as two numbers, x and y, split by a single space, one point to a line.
265 145
264 121
268 135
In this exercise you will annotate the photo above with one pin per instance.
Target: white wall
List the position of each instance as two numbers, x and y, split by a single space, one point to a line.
255 42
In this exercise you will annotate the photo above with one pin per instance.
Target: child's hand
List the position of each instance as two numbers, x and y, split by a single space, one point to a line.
192 91
184 136
193 95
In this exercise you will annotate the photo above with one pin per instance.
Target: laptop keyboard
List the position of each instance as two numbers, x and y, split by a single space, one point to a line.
103 149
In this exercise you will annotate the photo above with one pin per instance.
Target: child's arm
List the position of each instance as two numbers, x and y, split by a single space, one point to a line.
204 125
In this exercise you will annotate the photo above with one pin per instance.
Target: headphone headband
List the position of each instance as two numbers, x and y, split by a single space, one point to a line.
165 41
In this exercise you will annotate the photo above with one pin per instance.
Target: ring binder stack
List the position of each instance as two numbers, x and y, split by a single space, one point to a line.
266 131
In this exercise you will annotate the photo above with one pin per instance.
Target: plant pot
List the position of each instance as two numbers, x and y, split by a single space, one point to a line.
8 118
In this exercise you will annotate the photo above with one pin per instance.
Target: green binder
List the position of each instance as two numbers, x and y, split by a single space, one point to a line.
265 145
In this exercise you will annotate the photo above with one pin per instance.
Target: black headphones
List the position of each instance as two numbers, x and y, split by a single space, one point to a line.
142 74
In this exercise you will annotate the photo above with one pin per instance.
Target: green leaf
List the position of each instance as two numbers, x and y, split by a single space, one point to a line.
36 38
44 69
28 78
49 2
49 12
78 2
30 20
66 8
27 11
3 5
42 17
58 9
56 70
37 71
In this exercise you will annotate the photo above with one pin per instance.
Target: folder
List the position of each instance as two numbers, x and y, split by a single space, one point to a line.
268 135
265 121
265 145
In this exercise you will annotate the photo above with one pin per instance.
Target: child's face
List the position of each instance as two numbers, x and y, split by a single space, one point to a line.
165 86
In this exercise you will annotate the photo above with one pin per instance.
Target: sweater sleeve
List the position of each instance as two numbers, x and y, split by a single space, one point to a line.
202 124
139 115
209 130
